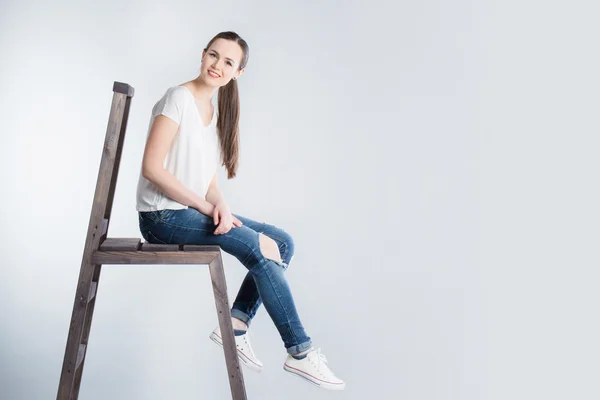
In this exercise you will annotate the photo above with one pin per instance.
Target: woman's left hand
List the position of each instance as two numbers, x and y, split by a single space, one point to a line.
222 216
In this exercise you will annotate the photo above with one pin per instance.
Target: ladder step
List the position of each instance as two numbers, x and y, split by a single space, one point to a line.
159 247
121 244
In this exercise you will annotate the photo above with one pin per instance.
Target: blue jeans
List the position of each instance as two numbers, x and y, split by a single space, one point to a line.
265 281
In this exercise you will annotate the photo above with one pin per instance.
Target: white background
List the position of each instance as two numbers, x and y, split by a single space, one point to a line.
436 163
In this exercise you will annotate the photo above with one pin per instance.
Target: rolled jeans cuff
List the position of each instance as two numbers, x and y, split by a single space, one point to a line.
299 348
235 313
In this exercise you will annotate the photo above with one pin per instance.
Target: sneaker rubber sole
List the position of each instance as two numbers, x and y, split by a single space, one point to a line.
315 381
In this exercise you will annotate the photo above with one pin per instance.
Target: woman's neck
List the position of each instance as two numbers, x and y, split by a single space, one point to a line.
201 90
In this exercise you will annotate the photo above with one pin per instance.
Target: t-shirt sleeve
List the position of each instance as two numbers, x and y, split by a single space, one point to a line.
171 105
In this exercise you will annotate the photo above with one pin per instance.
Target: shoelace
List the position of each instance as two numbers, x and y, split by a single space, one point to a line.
320 357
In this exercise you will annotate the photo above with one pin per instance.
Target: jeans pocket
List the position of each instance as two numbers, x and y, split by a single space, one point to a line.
145 220
153 239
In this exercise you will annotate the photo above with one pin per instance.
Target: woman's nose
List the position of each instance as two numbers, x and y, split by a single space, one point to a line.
221 64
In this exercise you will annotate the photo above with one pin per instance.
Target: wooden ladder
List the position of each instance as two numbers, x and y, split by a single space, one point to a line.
101 250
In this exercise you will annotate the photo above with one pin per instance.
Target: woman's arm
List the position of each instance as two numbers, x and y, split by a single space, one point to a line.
159 142
214 195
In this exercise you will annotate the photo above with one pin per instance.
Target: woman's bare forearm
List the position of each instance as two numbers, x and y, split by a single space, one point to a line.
167 183
214 195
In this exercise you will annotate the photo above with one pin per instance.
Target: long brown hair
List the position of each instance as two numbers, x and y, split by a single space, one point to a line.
229 109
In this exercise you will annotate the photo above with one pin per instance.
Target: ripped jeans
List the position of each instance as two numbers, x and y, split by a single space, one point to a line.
265 281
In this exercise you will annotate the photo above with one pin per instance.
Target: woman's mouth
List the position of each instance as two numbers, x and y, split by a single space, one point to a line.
212 74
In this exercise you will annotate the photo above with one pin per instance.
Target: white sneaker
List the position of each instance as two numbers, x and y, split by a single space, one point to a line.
244 349
313 368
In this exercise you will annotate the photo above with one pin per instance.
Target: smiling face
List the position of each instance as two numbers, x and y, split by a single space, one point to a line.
222 57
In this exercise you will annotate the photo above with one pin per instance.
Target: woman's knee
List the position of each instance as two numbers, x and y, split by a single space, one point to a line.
281 246
269 248
286 245
251 247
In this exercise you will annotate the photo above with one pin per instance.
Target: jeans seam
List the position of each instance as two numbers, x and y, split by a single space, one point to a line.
285 310
150 234
182 226
252 249
285 250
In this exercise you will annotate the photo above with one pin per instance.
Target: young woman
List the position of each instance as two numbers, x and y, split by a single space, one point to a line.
179 202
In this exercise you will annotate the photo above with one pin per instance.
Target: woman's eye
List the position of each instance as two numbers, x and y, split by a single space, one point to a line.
229 63
212 54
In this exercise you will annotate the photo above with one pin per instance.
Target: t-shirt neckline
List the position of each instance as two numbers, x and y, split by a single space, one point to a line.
214 116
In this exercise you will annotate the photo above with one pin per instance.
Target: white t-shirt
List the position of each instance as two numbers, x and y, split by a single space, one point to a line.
194 155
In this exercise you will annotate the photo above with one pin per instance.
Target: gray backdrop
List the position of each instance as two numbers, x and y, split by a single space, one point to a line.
434 162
